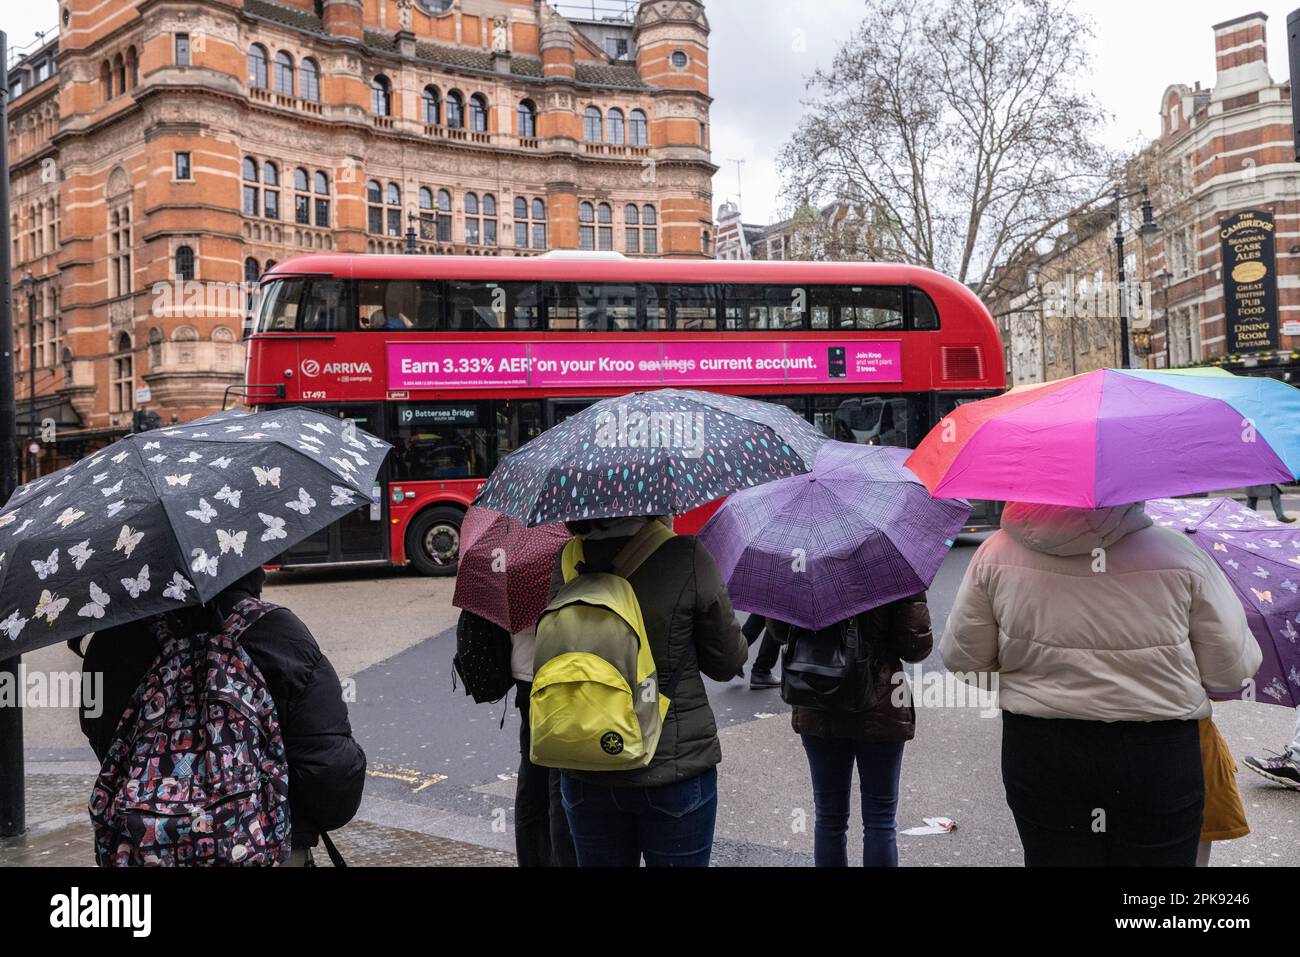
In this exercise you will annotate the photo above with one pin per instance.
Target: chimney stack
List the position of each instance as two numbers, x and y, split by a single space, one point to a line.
1241 56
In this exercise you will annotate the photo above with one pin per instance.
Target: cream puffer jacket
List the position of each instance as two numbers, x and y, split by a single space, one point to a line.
1098 615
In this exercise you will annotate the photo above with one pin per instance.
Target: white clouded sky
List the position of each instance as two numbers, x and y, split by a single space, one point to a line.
1141 47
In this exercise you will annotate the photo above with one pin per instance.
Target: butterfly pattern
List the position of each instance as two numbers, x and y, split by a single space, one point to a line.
160 519
1259 556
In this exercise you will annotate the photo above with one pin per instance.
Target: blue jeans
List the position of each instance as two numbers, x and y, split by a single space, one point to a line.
879 766
670 825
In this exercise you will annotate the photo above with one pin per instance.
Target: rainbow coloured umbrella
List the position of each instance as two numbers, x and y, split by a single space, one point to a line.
1115 436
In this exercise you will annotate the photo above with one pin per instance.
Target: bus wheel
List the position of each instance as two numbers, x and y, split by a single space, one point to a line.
433 542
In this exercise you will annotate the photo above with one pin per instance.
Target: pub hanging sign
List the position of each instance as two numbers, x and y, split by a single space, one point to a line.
1249 281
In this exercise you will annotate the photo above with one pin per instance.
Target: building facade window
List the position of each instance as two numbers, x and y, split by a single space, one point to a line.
592 123
183 170
381 96
526 119
472 222
120 244
432 103
605 231
428 222
478 113
374 208
393 210
184 263
301 197
252 194
455 110
257 67
123 386
321 187
615 129
271 192
586 226
680 60
631 230
649 230
444 216
182 49
309 80
284 74
639 129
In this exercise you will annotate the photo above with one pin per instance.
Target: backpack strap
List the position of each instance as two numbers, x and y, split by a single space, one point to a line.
631 557
246 614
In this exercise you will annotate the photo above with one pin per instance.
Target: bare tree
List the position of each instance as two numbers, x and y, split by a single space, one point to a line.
962 125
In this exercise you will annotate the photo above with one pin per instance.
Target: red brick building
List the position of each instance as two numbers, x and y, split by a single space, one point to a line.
164 152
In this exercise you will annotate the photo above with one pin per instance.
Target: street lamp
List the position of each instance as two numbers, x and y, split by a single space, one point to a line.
28 285
1147 228
411 248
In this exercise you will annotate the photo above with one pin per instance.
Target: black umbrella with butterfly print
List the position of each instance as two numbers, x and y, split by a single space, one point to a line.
170 517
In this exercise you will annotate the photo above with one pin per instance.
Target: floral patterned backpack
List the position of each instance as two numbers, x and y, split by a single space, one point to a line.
196 775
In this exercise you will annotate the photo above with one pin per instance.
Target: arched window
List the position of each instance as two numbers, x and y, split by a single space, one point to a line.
639 129
284 74
322 187
649 235
432 106
605 233
615 131
473 225
301 197
105 81
591 125
271 195
309 80
586 226
455 110
393 195
521 209
444 216
132 67
119 72
252 195
257 66
631 235
381 96
526 118
478 113
252 271
300 180
427 221
539 209
123 390
526 230
184 264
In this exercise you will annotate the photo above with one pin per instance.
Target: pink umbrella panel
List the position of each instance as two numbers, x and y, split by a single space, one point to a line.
504 571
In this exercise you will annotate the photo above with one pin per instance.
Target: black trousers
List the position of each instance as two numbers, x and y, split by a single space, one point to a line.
1098 794
769 651
541 830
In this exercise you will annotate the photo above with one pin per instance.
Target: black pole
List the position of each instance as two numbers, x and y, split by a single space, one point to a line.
13 811
31 376
1125 360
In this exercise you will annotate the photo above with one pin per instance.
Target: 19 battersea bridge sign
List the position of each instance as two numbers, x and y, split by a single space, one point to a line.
1249 281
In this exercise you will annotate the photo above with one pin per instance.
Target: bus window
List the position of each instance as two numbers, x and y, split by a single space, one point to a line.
523 304
924 315
654 307
695 308
857 307
482 306
399 304
766 307
869 420
589 307
324 307
435 441
517 422
280 306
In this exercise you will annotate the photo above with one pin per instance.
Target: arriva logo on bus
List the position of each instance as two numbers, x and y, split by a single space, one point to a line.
312 368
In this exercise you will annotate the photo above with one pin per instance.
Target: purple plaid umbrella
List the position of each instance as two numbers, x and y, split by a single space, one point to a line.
857 532
1261 558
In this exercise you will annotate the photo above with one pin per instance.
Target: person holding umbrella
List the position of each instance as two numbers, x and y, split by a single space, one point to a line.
631 602
155 544
839 561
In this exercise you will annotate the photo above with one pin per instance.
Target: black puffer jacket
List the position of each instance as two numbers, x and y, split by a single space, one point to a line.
691 626
327 768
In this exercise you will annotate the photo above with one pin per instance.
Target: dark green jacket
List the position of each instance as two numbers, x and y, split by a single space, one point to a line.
691 627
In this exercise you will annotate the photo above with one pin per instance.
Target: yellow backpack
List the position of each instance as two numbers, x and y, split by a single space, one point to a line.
595 703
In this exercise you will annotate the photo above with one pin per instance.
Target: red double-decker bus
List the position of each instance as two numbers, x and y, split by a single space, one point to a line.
459 360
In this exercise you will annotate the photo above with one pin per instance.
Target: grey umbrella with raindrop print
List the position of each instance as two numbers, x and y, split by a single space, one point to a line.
650 453
170 517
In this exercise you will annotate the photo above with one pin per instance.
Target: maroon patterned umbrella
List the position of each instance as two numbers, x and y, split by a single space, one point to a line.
505 568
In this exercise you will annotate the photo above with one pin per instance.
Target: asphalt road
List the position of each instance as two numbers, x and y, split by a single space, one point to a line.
443 766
